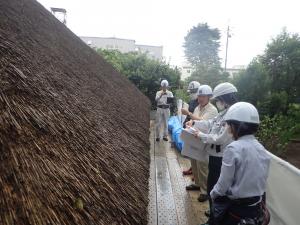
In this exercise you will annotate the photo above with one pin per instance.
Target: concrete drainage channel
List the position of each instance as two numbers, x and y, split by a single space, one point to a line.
169 202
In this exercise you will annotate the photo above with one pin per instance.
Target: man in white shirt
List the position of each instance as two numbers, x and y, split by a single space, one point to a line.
163 110
204 111
192 90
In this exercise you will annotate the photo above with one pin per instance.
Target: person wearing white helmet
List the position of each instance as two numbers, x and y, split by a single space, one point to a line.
218 136
193 103
204 111
238 194
163 110
192 89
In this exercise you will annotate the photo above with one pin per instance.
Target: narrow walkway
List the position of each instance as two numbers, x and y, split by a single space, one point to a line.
169 202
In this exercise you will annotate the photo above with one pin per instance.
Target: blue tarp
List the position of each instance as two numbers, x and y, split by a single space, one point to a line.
171 123
175 129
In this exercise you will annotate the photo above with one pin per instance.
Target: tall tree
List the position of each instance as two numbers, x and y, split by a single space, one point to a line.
202 45
281 60
252 83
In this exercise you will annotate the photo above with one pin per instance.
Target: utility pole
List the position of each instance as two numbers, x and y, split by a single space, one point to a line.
228 36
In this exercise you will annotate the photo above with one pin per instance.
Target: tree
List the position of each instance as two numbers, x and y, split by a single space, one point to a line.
143 72
208 75
281 60
272 81
202 45
201 50
252 83
114 57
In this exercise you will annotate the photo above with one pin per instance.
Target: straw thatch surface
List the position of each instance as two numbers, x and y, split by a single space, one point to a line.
73 132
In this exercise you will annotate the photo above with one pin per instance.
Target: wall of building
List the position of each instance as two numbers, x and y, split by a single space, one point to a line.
155 52
124 46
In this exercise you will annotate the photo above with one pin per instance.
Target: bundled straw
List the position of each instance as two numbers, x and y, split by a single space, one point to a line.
73 132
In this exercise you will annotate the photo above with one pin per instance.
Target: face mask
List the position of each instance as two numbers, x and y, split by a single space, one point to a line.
193 96
220 105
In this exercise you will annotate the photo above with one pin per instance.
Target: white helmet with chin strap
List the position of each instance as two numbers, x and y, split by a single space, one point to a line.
193 87
223 89
242 112
204 90
164 83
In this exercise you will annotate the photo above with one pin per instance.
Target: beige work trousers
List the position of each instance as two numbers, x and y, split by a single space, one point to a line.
200 171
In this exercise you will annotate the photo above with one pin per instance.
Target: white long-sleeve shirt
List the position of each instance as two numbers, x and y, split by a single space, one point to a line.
218 134
163 99
244 172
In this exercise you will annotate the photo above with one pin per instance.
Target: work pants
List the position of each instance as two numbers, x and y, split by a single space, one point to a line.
162 117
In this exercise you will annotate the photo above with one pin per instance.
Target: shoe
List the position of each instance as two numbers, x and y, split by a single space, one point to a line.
157 139
192 187
165 139
207 213
202 198
187 172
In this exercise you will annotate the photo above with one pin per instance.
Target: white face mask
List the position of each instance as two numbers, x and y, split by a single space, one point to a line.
220 105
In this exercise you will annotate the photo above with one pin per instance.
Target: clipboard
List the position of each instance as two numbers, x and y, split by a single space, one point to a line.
170 100
193 147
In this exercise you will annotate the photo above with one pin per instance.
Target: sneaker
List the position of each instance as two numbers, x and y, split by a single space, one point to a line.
165 139
157 139
192 187
202 198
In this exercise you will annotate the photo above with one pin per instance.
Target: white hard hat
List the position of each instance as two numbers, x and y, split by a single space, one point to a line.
223 89
204 90
242 112
193 86
164 83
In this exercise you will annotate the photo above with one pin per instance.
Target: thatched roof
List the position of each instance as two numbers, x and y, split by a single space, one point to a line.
73 131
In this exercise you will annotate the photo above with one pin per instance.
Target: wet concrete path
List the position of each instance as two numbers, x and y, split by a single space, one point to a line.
169 202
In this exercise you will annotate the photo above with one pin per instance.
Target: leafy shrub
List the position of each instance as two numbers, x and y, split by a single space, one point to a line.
274 104
182 94
275 132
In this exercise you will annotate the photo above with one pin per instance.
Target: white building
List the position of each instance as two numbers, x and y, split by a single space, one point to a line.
124 46
235 70
187 70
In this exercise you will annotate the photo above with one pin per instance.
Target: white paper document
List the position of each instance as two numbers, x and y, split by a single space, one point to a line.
193 147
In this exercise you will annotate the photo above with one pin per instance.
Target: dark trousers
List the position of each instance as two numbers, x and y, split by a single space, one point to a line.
236 212
214 171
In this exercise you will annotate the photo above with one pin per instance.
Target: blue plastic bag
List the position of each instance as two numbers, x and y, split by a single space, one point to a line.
175 129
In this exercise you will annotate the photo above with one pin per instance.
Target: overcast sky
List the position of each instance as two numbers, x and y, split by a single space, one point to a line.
165 22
